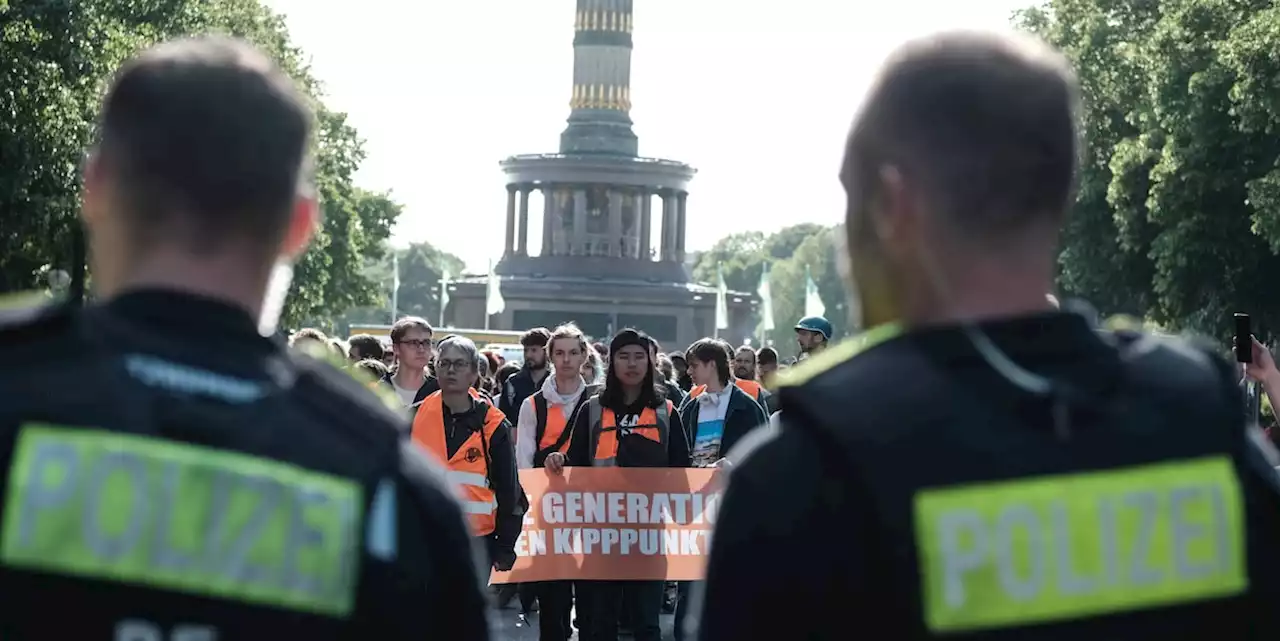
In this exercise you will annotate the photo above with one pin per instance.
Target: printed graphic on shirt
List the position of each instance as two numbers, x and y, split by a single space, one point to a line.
706 446
626 423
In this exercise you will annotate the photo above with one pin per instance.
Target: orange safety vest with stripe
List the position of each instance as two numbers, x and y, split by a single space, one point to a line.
553 424
653 424
752 388
468 468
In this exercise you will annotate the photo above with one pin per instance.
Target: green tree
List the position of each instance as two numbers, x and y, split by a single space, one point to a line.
422 265
59 55
1178 217
742 257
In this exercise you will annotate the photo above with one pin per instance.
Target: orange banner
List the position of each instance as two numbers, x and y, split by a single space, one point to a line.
615 524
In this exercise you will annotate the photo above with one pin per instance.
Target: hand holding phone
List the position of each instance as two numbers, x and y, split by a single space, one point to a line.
1243 340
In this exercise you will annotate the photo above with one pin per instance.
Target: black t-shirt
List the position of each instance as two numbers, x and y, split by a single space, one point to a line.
634 450
821 516
168 471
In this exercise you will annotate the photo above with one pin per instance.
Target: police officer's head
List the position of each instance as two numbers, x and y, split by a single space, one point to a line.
457 364
199 168
959 169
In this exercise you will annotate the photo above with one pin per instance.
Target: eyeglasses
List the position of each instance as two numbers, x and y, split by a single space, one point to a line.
416 343
453 366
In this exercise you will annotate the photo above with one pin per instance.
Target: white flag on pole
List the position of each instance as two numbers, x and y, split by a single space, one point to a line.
765 292
812 301
444 297
395 285
722 301
494 304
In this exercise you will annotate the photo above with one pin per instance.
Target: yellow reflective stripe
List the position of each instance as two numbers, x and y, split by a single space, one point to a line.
838 353
480 507
1053 548
177 517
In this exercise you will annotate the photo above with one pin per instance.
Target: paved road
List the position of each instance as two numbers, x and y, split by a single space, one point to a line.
508 628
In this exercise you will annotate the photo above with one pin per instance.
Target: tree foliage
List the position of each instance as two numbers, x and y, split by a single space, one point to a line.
1178 214
58 57
422 266
742 257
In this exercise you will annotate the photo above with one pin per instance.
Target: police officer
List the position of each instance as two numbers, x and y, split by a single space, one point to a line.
813 334
977 463
171 473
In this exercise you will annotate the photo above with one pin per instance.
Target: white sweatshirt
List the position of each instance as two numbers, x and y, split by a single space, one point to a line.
527 423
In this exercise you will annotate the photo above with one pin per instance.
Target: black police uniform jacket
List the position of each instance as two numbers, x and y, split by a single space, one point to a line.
170 473
912 490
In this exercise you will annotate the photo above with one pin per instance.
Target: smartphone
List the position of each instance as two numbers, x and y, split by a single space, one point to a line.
1243 338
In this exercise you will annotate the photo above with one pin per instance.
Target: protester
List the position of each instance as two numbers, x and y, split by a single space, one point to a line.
473 439
628 424
533 371
715 421
411 342
364 346
543 428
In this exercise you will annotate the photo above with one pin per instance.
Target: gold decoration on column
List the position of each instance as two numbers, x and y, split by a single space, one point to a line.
628 24
626 98
610 101
577 22
614 23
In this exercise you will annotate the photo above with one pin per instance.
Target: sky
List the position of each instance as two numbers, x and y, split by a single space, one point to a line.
757 98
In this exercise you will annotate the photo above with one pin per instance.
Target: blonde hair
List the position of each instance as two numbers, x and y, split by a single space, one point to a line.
569 330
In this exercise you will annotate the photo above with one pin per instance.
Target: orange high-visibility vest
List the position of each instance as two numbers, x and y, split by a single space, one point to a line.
752 388
652 424
468 468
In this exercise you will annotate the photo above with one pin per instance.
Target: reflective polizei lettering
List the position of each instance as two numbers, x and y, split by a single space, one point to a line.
1053 548
183 518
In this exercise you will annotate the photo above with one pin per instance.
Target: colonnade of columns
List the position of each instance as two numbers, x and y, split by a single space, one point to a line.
598 220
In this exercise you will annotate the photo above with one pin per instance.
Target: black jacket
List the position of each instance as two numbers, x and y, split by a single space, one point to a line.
633 450
916 448
177 400
743 415
503 478
517 388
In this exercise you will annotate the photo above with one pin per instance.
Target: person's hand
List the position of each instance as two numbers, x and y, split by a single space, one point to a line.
1263 367
504 562
555 463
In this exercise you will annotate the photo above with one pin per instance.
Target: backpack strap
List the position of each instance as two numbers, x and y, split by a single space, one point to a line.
540 411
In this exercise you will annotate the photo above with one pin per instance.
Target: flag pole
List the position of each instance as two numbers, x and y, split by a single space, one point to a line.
488 286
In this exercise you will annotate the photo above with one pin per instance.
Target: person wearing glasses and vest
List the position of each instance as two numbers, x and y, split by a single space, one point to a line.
543 429
473 439
630 423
